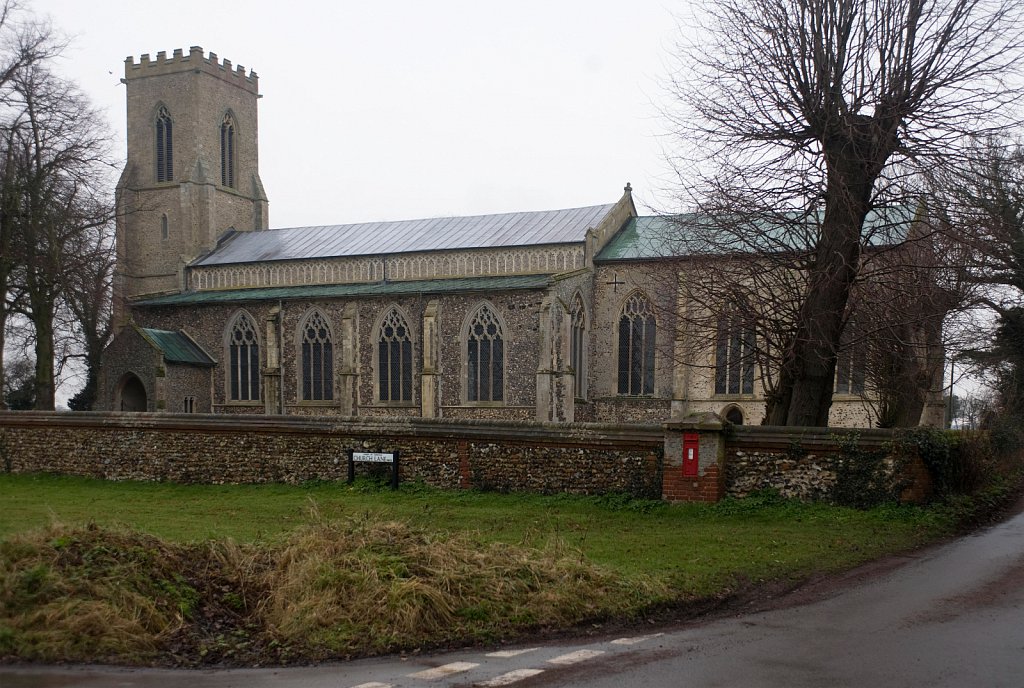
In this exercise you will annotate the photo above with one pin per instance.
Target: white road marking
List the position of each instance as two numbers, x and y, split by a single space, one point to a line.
578 656
444 670
373 684
636 640
511 653
510 678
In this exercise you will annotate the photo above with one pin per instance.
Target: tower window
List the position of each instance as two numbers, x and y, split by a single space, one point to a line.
164 147
227 152
164 232
637 331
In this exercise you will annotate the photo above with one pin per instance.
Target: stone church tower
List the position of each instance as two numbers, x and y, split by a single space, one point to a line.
192 172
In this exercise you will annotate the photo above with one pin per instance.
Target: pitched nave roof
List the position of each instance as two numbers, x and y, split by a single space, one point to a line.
409 236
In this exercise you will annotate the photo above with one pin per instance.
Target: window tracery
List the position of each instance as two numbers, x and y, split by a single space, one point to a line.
164 146
243 360
317 358
485 357
394 359
637 332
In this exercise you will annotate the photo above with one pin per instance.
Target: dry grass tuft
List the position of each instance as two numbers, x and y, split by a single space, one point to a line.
331 590
367 586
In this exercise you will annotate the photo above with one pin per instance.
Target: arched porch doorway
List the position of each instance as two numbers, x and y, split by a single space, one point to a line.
131 394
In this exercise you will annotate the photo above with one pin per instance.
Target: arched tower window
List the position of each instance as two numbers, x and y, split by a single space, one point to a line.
227 151
394 359
637 331
317 358
578 345
734 354
243 360
164 146
164 231
485 357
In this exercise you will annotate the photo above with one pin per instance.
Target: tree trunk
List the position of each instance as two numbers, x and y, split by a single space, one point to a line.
42 319
807 377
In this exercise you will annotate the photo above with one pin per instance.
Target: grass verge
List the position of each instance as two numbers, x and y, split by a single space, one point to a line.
156 573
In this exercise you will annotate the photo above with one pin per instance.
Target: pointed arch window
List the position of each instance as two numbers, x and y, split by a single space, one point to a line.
637 332
164 146
243 360
852 361
734 354
394 359
227 151
317 358
578 345
485 357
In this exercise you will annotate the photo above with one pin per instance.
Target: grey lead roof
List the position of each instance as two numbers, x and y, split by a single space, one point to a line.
406 236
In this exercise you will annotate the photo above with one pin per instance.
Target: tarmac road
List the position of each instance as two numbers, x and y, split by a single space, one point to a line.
952 615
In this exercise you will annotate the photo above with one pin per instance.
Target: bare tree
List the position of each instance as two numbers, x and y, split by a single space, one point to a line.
982 206
23 42
59 150
811 114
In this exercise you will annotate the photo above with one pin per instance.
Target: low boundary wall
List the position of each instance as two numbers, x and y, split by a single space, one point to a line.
640 460
507 456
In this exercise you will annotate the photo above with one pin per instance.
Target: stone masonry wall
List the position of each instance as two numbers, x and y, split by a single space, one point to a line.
511 456
804 463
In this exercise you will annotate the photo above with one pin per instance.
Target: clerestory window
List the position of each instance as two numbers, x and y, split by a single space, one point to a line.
317 358
243 360
637 332
485 357
394 359
164 146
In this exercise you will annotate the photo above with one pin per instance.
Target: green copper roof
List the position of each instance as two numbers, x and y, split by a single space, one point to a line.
177 347
324 291
687 235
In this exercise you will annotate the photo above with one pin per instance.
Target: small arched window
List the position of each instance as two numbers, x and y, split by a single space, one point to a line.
164 146
394 359
317 358
164 231
578 345
734 354
734 415
243 360
637 332
485 357
227 151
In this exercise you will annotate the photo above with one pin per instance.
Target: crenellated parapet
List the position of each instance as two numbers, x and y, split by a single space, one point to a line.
194 60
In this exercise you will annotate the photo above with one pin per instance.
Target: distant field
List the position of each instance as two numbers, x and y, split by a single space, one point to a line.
698 549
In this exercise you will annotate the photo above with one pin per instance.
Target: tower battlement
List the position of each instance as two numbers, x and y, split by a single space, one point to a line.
194 60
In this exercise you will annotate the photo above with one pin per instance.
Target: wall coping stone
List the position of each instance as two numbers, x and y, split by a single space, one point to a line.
473 429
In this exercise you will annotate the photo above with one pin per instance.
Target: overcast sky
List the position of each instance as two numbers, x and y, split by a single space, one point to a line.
405 109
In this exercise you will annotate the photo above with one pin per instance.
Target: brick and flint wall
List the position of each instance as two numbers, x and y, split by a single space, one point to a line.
512 456
640 460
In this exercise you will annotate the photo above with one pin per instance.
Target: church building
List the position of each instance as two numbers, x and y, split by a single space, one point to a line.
553 315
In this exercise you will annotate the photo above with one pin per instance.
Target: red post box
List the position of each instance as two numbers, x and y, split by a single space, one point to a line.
691 458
